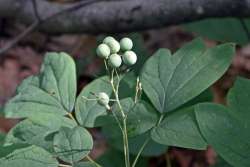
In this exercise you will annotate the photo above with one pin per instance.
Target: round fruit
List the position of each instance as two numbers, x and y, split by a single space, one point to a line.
126 44
108 39
103 51
129 58
112 43
115 60
103 98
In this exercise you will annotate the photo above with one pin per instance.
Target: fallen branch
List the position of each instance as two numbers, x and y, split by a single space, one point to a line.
121 16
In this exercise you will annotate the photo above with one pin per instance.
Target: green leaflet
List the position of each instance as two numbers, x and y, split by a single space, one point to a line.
170 81
224 133
26 156
114 138
2 138
108 160
87 111
179 129
53 91
127 85
85 164
72 145
58 76
32 132
221 29
238 100
227 128
140 116
221 163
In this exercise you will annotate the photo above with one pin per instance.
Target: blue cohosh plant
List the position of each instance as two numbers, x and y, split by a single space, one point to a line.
140 114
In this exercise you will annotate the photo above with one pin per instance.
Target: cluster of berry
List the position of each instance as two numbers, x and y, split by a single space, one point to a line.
110 48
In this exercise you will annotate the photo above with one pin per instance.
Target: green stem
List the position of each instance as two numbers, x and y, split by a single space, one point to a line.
140 151
124 119
145 143
125 141
124 131
106 67
137 89
91 160
168 160
73 118
62 165
118 122
160 119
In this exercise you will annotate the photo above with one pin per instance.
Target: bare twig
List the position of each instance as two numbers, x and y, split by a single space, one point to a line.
18 38
41 20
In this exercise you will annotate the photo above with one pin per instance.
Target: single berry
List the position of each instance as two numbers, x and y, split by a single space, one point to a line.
112 43
129 58
126 44
108 39
103 51
115 60
103 98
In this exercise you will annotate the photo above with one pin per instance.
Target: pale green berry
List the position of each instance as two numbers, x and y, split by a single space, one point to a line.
115 60
108 39
126 44
112 43
103 51
103 98
114 46
129 58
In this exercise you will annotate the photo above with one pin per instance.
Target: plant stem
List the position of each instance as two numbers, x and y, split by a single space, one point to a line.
140 151
160 119
145 143
124 131
125 141
168 160
91 160
137 90
124 119
62 165
73 118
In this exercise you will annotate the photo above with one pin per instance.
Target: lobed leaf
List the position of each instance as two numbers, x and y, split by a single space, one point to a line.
179 129
170 81
53 91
